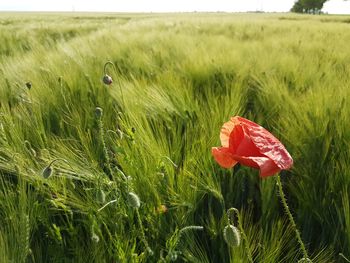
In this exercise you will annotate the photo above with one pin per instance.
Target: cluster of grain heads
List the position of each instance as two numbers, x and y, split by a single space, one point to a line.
173 244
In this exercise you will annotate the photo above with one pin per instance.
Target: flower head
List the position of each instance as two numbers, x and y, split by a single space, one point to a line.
249 144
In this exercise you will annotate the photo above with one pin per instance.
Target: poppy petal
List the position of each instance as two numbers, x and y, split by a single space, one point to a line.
266 166
267 144
241 143
226 130
223 156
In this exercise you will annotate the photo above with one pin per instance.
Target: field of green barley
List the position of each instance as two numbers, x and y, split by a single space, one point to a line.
124 173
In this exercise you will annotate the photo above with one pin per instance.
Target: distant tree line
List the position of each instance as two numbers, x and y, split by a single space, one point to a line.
308 6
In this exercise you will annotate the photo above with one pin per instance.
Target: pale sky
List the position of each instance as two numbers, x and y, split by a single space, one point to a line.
332 7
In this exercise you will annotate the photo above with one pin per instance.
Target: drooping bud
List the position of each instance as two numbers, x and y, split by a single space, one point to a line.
107 80
232 236
95 237
133 200
149 251
28 85
101 196
47 172
98 112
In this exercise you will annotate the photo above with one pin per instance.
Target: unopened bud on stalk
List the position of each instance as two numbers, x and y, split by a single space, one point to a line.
107 80
95 238
47 172
134 200
98 112
232 236
28 85
101 196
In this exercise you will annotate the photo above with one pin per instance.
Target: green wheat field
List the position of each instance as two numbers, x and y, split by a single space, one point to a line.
134 180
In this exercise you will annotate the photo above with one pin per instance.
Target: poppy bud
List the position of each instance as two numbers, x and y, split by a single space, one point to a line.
133 200
29 85
95 238
107 79
98 112
150 251
173 256
232 236
47 172
101 196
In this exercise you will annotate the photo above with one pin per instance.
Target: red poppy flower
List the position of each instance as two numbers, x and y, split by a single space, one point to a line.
249 144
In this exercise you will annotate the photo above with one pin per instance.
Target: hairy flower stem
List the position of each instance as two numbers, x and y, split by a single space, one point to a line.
143 236
230 214
105 151
290 216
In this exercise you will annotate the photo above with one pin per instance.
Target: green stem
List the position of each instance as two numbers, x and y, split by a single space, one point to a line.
342 255
290 216
143 236
105 152
230 215
105 66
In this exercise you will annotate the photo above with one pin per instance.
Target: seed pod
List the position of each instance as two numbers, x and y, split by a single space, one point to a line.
133 200
232 236
107 80
98 112
47 172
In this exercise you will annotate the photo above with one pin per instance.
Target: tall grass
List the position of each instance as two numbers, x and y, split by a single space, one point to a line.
177 79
